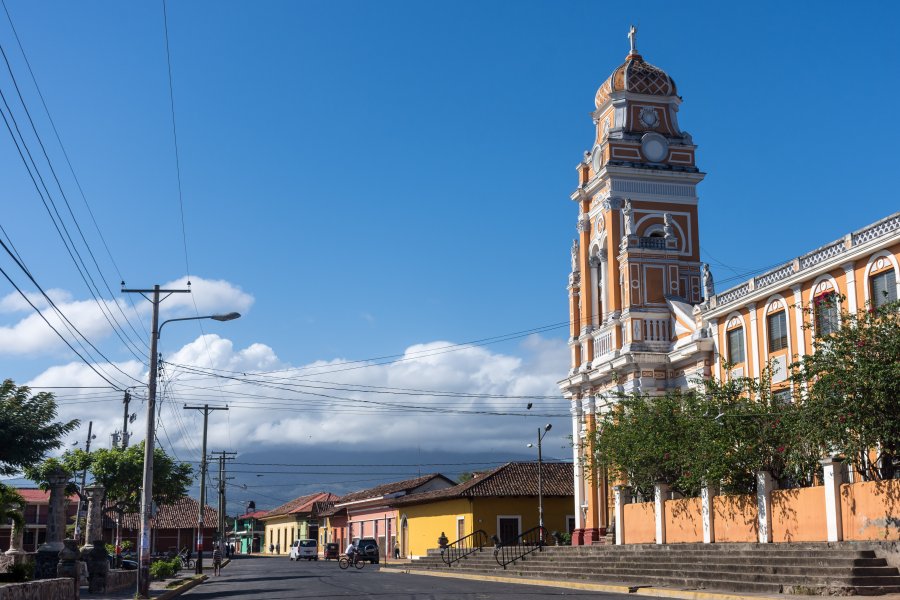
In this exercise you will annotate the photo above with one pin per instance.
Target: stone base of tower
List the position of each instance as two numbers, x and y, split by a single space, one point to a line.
578 537
593 535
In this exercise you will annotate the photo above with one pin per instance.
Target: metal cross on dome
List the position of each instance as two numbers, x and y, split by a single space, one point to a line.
632 34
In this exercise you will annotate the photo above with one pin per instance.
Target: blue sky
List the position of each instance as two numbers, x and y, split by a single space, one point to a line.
362 177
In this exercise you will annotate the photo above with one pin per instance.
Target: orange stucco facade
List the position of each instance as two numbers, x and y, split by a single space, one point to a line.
645 316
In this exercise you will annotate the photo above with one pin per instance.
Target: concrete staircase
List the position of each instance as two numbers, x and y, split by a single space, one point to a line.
820 569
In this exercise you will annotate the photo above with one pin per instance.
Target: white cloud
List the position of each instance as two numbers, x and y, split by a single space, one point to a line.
30 335
324 402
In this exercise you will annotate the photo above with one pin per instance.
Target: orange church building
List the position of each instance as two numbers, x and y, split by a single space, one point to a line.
643 309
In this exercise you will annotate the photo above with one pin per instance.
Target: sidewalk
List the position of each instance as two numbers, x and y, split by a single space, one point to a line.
622 588
159 590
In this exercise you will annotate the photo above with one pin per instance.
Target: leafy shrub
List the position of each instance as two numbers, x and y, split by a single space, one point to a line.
161 569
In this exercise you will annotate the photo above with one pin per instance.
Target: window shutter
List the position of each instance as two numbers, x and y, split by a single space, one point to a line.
884 288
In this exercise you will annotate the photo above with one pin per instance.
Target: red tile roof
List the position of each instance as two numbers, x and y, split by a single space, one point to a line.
253 515
303 504
386 489
511 479
36 496
184 513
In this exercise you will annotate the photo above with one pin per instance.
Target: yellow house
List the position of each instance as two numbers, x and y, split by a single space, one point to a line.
502 502
297 519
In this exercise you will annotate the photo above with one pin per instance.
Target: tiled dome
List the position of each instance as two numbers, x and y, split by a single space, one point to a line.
636 76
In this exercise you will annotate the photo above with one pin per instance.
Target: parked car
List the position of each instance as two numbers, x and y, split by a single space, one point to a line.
307 549
332 550
368 549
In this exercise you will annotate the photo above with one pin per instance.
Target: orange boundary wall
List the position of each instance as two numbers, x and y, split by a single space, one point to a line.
640 523
684 521
798 515
871 510
736 519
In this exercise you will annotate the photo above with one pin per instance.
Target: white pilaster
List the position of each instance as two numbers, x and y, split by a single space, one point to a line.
831 468
717 348
764 486
622 496
660 493
578 461
798 318
707 494
754 339
850 275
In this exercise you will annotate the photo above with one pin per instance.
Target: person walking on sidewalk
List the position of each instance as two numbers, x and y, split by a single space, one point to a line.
217 560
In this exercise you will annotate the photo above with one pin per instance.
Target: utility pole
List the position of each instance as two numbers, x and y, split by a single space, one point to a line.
206 408
126 401
223 456
87 448
143 574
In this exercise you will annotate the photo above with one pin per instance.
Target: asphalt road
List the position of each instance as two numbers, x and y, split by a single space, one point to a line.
279 578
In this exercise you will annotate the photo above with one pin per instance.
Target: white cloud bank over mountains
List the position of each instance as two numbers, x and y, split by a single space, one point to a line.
435 396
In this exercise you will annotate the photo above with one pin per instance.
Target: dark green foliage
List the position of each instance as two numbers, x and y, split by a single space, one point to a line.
28 427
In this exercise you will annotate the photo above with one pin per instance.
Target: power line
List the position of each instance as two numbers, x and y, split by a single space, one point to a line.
71 168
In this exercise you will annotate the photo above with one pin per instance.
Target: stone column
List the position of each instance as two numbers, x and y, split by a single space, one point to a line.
578 471
591 527
94 522
833 479
623 497
48 553
660 492
707 495
94 551
68 565
16 539
764 487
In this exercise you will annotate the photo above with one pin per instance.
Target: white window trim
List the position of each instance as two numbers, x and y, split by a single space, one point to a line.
787 324
725 343
867 277
812 300
463 519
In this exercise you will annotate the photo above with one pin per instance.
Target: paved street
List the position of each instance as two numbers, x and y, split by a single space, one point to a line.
277 578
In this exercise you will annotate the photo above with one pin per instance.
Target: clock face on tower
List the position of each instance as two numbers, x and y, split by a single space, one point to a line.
654 147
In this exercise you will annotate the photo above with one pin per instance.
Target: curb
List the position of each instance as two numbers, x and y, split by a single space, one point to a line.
593 587
175 592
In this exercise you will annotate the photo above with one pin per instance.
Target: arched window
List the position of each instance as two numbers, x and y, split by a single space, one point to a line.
826 310
776 326
736 345
883 288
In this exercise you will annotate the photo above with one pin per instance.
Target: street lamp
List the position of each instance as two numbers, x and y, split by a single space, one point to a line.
540 436
153 295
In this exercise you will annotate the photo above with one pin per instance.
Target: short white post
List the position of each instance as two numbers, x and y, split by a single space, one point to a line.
660 494
833 478
622 497
764 486
707 495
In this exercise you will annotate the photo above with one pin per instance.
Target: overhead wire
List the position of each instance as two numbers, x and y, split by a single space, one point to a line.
72 170
71 247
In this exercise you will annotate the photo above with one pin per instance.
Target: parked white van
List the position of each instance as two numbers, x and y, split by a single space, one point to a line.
307 549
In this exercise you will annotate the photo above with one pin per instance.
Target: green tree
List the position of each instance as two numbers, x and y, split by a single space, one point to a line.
11 507
720 433
28 427
121 473
850 387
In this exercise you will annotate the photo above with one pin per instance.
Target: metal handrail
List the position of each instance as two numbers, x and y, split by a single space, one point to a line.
464 546
526 543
